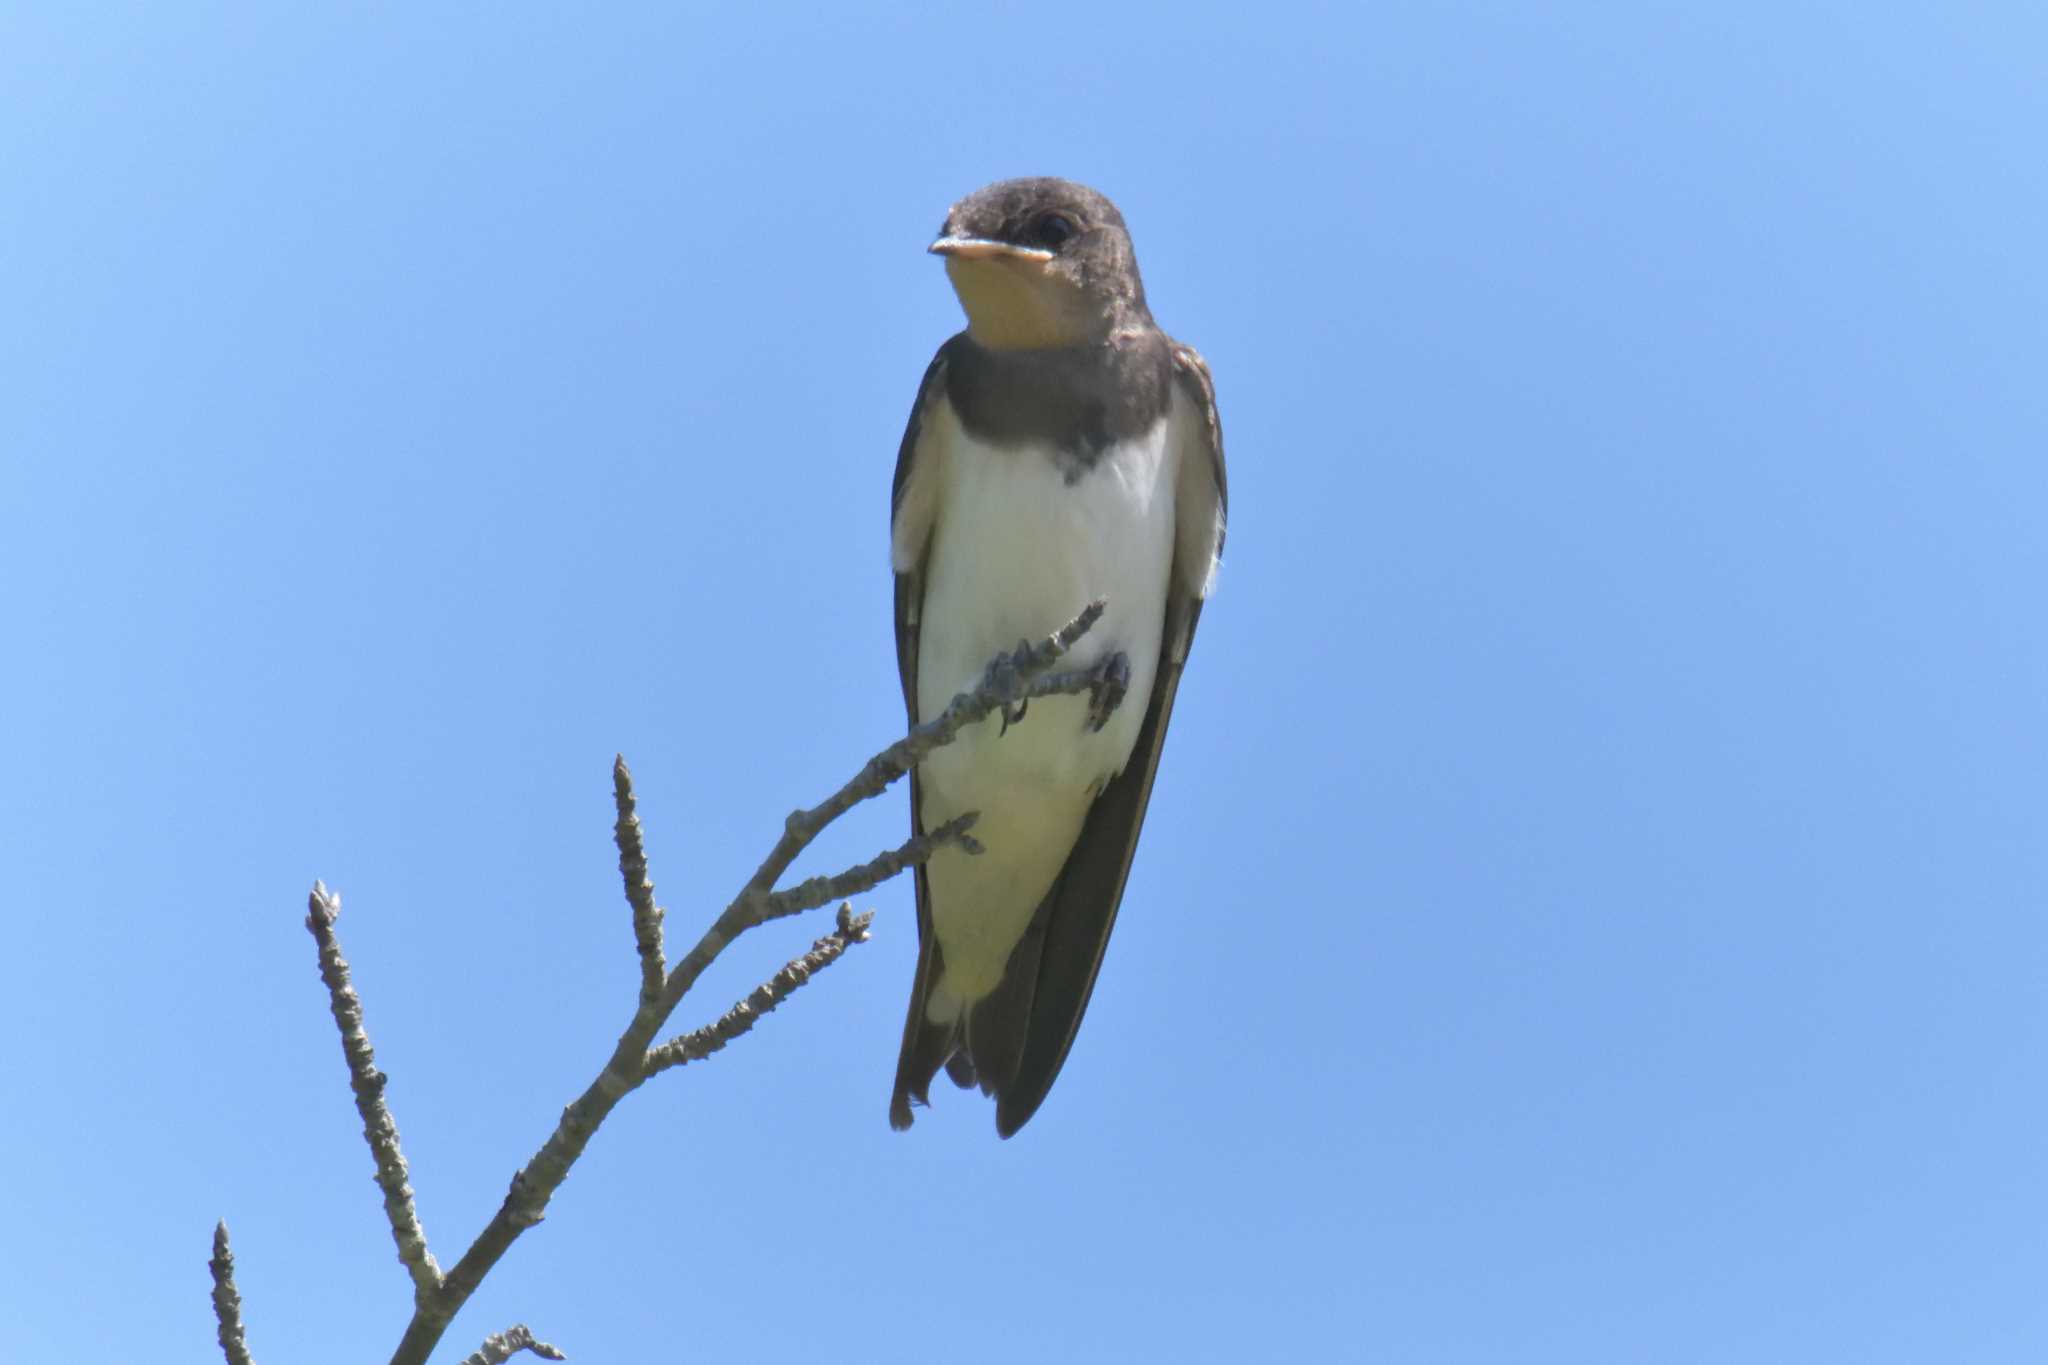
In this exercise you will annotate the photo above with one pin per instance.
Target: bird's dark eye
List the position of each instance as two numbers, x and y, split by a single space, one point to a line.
1054 231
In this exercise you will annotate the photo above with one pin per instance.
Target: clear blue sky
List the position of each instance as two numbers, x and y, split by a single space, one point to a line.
1593 905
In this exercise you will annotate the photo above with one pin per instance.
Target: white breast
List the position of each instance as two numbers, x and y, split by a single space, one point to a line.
1016 551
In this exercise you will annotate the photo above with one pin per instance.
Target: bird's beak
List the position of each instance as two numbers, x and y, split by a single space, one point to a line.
981 249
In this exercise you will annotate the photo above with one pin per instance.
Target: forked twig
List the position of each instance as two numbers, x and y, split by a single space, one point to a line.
1010 679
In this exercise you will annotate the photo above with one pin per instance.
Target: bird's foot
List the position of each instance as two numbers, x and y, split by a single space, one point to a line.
1106 693
1002 674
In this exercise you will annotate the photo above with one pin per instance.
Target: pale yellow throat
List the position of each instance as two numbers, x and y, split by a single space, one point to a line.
1015 304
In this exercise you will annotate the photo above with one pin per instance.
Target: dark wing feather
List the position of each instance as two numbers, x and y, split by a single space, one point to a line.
1081 909
925 1048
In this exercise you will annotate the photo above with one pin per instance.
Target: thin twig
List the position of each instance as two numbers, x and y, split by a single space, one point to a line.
694 1047
227 1300
379 1128
1010 678
639 890
498 1349
809 895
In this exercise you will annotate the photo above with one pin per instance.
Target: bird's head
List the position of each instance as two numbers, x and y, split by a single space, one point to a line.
1041 263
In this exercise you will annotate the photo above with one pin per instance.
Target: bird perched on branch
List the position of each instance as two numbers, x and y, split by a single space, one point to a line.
1061 449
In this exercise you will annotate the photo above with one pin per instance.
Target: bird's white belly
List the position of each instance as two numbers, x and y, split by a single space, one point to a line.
1016 552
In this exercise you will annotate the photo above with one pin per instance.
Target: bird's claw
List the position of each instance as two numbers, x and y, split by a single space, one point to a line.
1002 672
1106 693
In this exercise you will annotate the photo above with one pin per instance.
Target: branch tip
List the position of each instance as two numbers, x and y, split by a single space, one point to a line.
380 1130
817 891
501 1347
227 1300
647 916
741 1018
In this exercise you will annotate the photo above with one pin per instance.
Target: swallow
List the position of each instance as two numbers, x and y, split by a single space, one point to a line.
1062 448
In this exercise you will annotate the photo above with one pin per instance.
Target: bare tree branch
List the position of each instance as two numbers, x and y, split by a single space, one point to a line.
1007 680
693 1047
498 1349
227 1300
639 890
379 1129
1010 679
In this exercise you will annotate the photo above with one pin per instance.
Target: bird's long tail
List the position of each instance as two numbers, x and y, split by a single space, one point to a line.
979 1043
